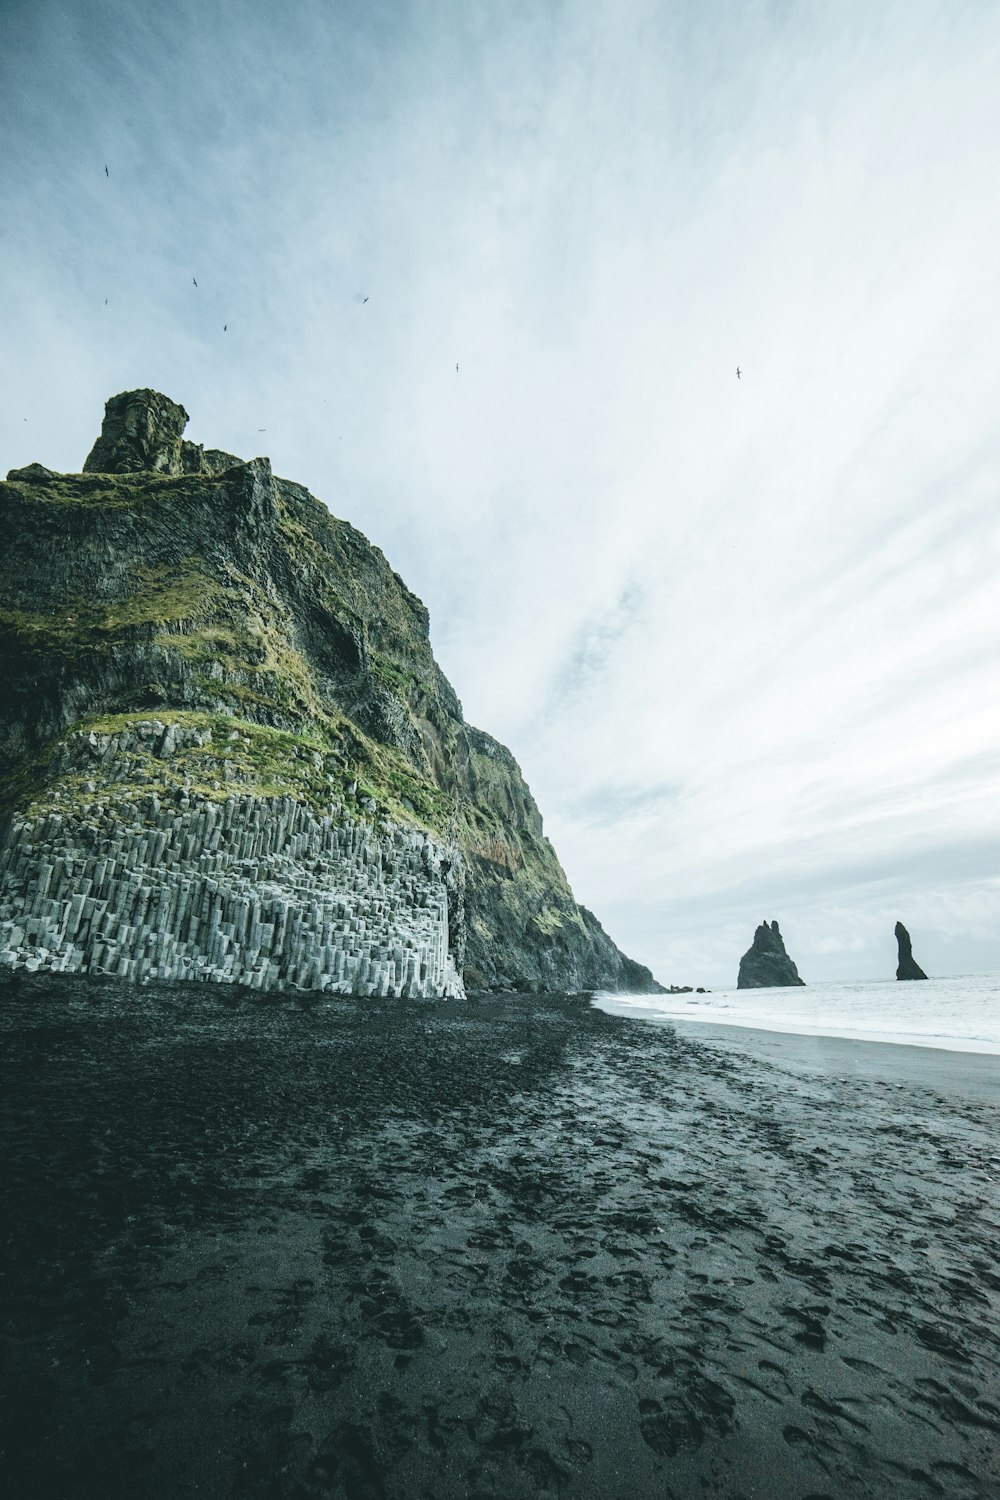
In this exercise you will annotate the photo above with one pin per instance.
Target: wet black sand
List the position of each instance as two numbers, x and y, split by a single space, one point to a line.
964 1074
253 1249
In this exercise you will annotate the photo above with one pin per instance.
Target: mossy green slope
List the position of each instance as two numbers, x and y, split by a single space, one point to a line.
236 601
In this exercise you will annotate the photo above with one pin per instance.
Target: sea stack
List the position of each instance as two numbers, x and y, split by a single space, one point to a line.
766 965
908 967
227 753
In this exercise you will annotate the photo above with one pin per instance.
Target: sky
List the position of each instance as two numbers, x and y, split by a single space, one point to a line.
741 634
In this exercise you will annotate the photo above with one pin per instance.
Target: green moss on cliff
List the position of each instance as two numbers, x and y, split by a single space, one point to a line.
162 596
344 573
247 658
235 756
100 491
548 920
384 671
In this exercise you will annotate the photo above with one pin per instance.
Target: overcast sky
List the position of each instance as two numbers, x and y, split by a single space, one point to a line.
742 635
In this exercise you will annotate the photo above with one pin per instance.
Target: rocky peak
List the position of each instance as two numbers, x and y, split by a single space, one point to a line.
908 967
32 474
766 965
143 433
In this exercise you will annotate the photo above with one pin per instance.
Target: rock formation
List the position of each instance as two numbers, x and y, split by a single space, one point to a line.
142 433
766 965
908 968
227 752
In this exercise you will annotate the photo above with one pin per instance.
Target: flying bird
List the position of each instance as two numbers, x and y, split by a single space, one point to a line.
192 278
261 429
364 300
738 375
456 368
106 172
224 327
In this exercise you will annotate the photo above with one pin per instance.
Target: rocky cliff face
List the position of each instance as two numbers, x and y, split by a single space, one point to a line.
766 965
227 751
143 433
907 968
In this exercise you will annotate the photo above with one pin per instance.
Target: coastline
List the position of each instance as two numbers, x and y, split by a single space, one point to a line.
519 1247
958 1014
952 1070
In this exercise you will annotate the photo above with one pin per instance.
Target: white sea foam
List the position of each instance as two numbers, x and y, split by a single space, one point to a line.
961 1013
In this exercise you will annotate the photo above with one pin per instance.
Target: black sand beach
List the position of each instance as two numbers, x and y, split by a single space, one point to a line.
511 1248
966 1074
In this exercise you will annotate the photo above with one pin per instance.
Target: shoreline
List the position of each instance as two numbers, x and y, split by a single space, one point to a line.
948 1069
973 1046
514 1248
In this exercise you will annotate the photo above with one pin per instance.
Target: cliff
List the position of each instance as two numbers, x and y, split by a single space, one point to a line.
907 967
227 752
766 965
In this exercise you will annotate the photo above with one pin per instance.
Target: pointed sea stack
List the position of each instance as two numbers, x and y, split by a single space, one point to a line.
908 966
766 965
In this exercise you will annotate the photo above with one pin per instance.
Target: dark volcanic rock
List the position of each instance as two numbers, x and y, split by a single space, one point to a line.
33 474
141 434
766 965
225 741
908 967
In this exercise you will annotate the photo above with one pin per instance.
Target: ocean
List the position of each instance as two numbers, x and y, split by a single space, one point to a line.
960 1013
